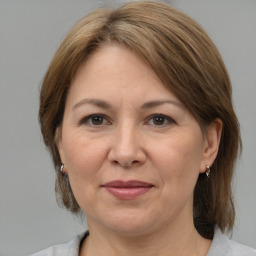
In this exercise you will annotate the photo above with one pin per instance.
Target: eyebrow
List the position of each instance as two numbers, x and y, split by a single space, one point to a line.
156 103
105 105
96 102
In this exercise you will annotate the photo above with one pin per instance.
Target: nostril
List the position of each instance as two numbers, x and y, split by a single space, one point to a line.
126 163
127 157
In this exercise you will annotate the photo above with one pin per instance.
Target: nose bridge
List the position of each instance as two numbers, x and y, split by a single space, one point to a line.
126 147
126 137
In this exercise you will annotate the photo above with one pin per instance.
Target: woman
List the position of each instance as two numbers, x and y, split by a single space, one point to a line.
136 110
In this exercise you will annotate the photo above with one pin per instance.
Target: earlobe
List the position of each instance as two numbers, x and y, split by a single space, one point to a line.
212 142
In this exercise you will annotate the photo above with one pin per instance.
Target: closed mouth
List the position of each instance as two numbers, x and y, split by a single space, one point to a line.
127 190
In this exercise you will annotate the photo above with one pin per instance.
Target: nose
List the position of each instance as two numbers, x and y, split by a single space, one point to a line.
126 147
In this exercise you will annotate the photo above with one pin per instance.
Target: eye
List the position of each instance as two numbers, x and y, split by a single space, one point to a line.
95 120
160 120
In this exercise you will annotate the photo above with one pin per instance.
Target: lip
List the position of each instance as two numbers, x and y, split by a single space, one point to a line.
127 190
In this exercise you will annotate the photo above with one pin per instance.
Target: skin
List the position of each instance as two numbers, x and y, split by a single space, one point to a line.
128 139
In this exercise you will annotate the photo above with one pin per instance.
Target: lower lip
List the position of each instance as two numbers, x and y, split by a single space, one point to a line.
127 193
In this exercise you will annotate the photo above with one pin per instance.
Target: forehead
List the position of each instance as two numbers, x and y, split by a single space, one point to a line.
114 70
114 61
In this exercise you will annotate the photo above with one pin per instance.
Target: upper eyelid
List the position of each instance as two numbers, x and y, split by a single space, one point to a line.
107 118
162 115
87 117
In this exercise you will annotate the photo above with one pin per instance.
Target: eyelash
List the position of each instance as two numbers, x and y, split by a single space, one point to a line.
168 120
88 120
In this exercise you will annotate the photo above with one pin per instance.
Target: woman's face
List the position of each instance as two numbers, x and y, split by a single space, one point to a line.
132 151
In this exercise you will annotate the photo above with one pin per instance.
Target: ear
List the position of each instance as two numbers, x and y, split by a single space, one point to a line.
212 138
58 142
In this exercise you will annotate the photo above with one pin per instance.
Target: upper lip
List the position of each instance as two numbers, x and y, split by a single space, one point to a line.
127 184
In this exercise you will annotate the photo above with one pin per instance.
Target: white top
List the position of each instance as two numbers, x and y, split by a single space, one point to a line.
221 246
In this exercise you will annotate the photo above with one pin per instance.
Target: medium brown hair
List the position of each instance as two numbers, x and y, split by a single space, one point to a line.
189 65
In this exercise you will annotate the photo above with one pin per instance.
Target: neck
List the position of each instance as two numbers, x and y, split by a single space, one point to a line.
184 241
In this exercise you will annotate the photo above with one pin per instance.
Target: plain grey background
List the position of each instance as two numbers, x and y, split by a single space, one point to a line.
30 32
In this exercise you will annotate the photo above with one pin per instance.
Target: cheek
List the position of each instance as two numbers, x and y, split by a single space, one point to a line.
83 156
178 158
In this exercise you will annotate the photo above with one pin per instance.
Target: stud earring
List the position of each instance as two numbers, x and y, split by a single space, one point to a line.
62 169
208 170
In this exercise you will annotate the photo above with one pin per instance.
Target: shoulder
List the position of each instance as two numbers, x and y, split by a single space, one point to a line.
222 246
69 249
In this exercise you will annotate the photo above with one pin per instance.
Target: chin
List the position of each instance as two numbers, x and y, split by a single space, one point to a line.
131 229
130 223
